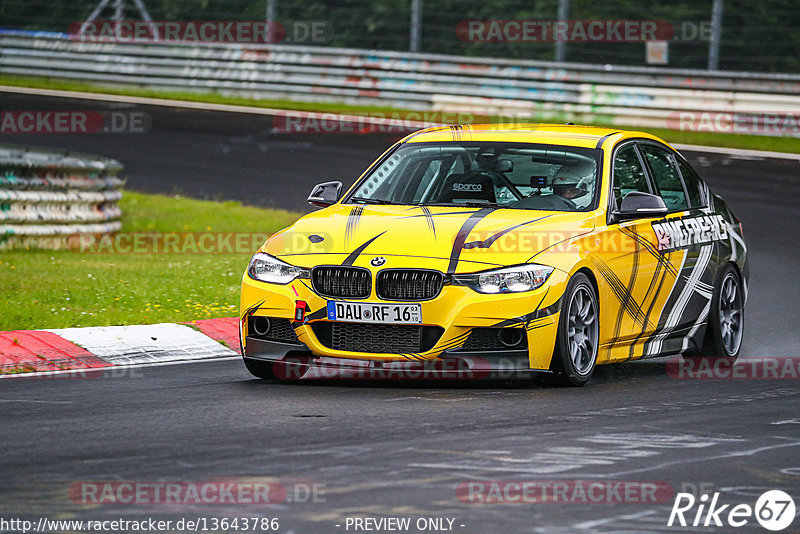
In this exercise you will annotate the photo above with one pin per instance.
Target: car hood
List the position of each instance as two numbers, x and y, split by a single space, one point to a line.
450 239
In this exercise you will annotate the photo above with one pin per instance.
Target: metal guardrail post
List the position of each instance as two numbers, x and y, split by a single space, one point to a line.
563 14
416 25
716 35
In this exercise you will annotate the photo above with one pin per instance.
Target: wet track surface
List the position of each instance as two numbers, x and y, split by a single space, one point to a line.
394 449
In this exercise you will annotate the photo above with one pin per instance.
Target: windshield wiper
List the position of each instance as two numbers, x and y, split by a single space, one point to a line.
381 201
467 204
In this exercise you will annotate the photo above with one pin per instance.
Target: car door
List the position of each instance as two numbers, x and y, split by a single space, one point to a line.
686 237
630 267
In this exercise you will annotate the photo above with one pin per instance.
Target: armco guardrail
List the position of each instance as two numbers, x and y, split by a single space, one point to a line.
48 197
650 97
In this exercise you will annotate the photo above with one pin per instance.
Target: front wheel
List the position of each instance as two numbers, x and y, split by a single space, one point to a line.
575 353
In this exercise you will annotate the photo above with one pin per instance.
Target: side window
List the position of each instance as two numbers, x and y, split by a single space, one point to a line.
628 174
694 185
666 177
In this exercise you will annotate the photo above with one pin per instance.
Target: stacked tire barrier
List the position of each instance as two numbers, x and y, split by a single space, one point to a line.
636 96
47 198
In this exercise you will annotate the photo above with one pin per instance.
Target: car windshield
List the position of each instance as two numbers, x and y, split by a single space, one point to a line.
507 175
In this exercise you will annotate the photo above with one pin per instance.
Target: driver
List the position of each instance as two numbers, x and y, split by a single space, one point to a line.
569 184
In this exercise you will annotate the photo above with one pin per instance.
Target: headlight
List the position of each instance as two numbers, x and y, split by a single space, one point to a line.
508 280
265 268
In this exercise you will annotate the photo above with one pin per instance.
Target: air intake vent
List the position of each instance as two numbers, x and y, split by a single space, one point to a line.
488 339
342 282
271 329
409 284
369 338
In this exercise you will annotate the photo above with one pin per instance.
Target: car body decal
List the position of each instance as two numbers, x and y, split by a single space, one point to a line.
349 260
461 237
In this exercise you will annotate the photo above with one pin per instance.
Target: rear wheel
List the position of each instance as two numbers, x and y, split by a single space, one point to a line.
575 352
726 318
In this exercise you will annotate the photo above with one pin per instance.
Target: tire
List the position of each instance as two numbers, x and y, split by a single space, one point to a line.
725 328
260 369
575 353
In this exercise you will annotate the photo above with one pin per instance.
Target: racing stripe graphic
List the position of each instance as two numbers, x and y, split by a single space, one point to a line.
576 236
628 294
706 291
321 313
352 223
439 214
461 237
536 314
242 320
621 292
429 218
677 311
659 274
663 268
700 320
349 260
486 243
453 343
663 261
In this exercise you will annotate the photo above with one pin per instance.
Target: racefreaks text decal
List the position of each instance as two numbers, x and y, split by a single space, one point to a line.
687 231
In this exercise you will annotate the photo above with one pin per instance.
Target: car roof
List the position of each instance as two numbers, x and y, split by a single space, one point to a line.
548 134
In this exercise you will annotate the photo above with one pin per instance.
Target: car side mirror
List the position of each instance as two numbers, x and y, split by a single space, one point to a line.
637 204
325 194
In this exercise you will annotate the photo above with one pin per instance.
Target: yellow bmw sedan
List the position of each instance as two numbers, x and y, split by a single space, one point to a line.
505 250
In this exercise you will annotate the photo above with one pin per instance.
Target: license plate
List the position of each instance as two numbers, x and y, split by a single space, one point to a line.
365 312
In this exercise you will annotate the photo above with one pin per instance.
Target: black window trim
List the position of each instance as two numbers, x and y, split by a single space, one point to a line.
651 174
704 186
612 200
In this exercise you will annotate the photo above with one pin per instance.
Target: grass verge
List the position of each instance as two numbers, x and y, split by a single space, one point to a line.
753 142
66 288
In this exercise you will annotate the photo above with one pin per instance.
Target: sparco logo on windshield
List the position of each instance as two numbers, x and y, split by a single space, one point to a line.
687 231
467 187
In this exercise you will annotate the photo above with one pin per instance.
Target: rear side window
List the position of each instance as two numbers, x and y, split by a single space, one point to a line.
694 185
628 174
666 177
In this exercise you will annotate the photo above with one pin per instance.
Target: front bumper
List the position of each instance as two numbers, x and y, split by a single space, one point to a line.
456 310
299 362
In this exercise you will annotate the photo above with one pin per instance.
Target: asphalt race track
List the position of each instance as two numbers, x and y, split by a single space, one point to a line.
401 449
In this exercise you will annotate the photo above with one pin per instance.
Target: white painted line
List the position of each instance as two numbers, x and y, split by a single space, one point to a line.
207 106
163 342
113 369
229 108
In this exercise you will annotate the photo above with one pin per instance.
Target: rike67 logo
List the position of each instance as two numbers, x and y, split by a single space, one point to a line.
774 510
